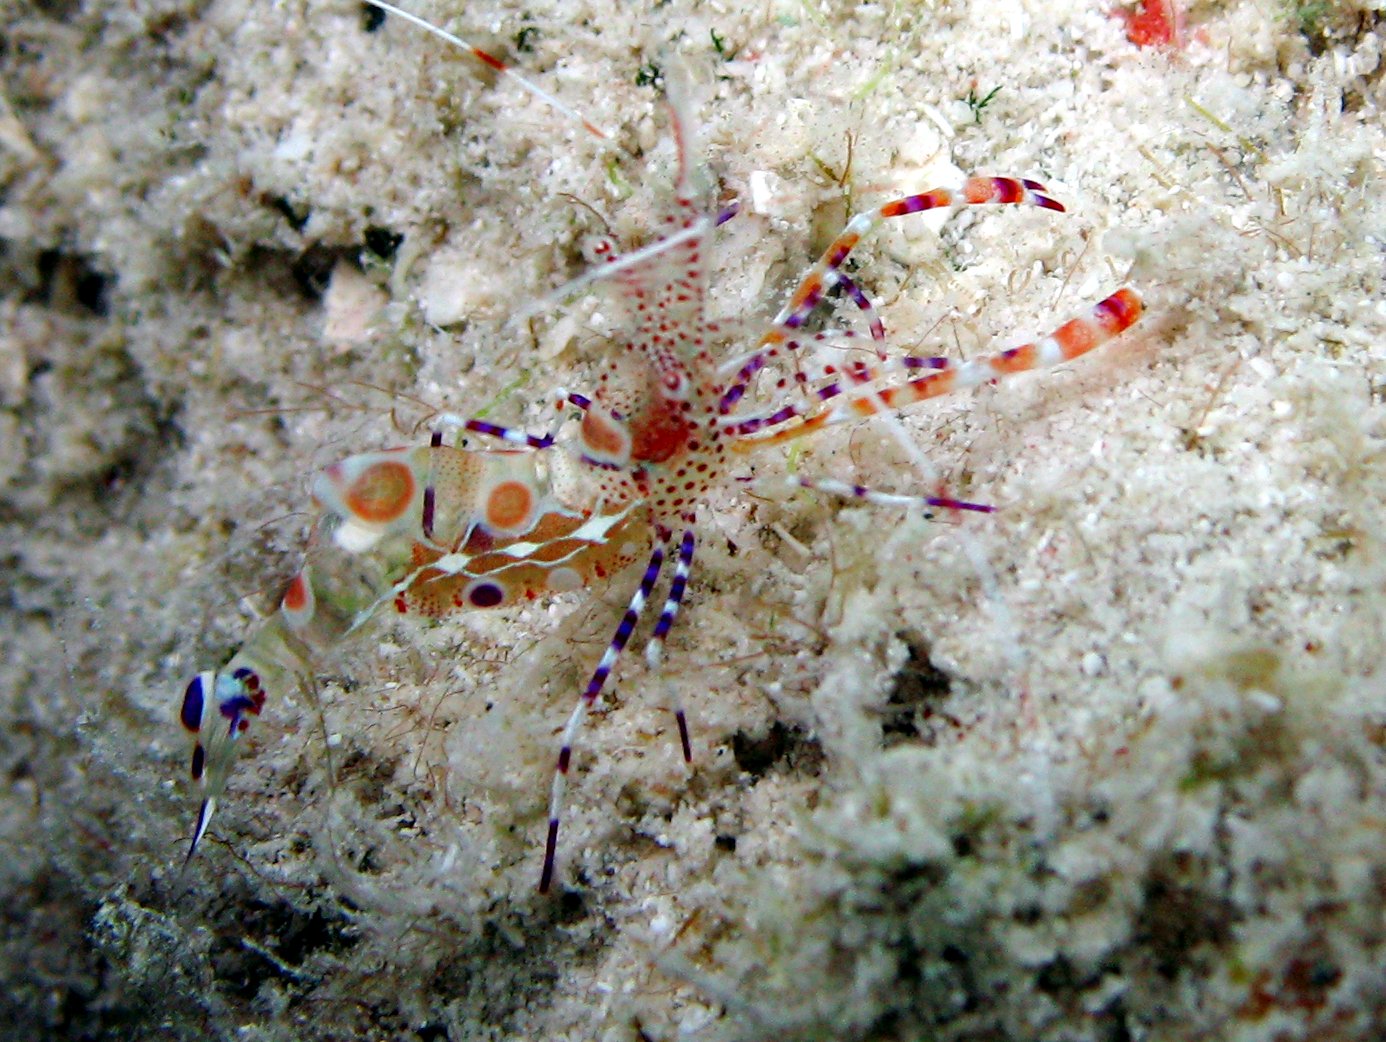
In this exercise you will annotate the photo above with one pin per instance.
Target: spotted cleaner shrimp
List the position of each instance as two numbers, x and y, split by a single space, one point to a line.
436 528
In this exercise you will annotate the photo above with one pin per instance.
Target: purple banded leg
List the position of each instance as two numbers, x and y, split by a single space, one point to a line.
852 378
654 650
859 372
784 344
589 697
819 290
1106 319
830 487
931 376
509 435
578 401
826 273
864 305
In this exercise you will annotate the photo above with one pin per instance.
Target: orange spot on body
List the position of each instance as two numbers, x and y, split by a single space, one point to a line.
296 596
510 506
604 438
382 493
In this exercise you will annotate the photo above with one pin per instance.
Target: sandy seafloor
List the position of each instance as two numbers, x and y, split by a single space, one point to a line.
1107 764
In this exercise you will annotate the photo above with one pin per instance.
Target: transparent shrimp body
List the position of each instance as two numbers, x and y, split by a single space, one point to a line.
435 529
424 531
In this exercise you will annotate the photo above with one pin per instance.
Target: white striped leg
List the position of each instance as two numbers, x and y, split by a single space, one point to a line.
589 696
562 398
654 650
1106 319
831 279
828 271
864 305
849 378
509 435
831 487
779 341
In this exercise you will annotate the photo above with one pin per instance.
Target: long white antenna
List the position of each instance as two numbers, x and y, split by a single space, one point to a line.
492 62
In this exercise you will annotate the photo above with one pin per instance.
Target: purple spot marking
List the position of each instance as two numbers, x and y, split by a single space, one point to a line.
199 757
429 507
485 595
232 708
191 713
